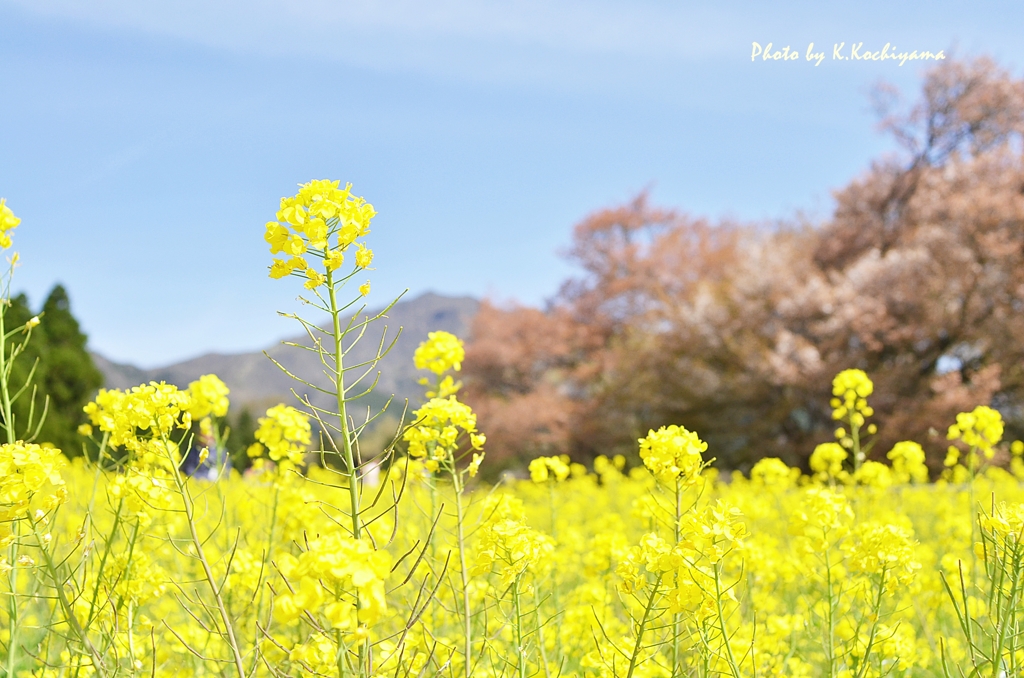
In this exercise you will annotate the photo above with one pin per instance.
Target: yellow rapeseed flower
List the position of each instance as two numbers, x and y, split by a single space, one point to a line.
474 465
442 351
26 469
284 434
851 389
873 474
314 279
883 549
439 425
981 428
153 409
773 472
908 462
543 468
673 453
827 460
309 220
8 222
364 256
334 259
209 395
513 547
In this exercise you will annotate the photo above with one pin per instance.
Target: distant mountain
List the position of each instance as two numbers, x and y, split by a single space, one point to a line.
257 383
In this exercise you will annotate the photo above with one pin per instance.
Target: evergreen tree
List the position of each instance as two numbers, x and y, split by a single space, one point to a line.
68 377
26 410
243 434
65 376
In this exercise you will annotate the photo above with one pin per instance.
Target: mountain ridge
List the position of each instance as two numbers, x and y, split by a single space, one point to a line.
256 382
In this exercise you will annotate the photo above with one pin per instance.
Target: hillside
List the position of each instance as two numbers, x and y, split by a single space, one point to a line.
257 383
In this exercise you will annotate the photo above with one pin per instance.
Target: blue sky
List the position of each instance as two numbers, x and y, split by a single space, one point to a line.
144 145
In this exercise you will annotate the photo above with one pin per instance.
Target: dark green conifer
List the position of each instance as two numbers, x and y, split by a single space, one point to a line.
65 377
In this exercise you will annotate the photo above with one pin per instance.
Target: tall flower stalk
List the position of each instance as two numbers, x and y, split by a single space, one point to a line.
316 229
443 434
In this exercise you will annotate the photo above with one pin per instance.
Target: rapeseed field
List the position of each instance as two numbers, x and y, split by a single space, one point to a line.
328 559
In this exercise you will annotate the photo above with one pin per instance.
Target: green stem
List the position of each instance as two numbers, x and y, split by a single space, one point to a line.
1010 609
642 628
339 387
65 604
5 368
351 469
132 541
266 561
103 561
540 635
8 414
270 536
460 535
875 613
855 435
432 544
521 659
721 621
211 580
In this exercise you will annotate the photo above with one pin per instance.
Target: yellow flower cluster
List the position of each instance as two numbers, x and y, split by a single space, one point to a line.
338 576
981 429
827 460
513 547
713 532
873 474
442 351
851 389
26 469
908 462
308 221
209 397
146 489
544 468
653 555
884 549
142 420
127 580
8 222
694 564
437 429
821 517
773 472
284 434
318 655
155 409
673 454
444 388
1006 524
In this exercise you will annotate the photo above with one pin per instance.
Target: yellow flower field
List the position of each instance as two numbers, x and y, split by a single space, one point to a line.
326 559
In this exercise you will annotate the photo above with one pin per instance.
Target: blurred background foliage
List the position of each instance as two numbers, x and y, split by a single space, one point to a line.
735 330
